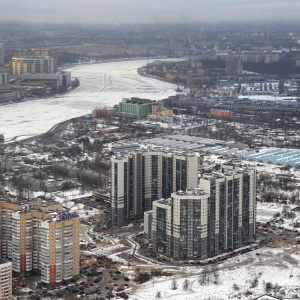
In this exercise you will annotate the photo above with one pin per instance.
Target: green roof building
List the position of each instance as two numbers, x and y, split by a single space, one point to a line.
135 108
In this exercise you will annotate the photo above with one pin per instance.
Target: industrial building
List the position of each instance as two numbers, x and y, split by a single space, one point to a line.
184 142
59 80
138 178
217 217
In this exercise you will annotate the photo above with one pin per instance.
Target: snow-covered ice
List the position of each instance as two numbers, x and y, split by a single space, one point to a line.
103 84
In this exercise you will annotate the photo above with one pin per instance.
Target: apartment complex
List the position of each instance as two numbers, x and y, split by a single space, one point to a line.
139 178
32 65
5 279
205 222
40 238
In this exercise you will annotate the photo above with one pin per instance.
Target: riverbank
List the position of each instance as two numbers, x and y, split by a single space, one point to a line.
141 73
39 98
56 129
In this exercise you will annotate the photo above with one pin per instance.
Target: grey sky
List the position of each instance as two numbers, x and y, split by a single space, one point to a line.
137 11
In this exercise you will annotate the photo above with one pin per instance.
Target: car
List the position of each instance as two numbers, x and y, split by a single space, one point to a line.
59 295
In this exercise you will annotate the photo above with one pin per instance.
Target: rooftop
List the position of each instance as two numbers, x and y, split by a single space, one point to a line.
4 261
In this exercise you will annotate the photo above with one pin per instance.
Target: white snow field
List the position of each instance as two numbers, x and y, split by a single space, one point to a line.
103 84
230 280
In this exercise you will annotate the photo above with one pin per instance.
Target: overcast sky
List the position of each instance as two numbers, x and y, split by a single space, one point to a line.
145 11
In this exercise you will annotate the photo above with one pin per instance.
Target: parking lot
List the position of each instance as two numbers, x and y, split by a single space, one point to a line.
100 278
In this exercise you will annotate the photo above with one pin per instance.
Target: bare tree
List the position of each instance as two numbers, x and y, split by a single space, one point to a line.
185 285
174 285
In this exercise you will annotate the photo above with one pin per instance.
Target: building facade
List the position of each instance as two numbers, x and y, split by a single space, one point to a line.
3 78
139 178
40 242
232 208
5 162
32 65
2 145
1 55
234 64
59 248
135 108
5 279
179 224
198 224
63 79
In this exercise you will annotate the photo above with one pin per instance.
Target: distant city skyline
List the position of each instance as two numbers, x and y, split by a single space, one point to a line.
134 11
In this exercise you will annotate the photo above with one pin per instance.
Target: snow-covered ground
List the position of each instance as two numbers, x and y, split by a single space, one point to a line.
266 211
230 280
100 85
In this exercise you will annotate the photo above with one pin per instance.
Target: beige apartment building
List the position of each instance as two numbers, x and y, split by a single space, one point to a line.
32 65
40 242
5 279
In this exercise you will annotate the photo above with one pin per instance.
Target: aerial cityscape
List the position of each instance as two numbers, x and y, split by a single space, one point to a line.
150 151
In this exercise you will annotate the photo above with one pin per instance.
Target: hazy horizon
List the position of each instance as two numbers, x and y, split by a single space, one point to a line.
133 11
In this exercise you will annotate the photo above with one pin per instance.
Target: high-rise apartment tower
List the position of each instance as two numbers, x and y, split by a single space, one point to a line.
139 178
202 223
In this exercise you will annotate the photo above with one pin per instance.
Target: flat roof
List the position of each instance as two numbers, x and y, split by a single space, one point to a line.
4 261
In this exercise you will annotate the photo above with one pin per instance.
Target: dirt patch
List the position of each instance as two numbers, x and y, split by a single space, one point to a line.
103 243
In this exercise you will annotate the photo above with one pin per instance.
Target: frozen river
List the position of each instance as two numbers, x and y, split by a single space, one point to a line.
100 84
